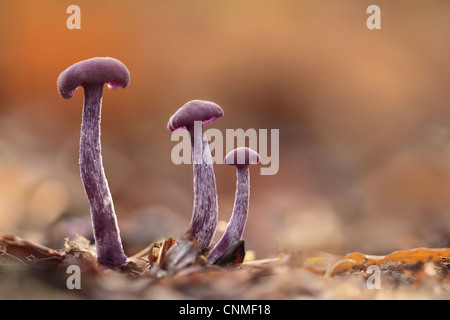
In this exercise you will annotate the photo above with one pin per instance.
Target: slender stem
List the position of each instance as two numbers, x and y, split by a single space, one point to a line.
104 222
236 225
205 210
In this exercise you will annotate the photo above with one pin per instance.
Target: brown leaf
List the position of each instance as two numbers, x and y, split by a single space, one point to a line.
412 256
234 255
179 256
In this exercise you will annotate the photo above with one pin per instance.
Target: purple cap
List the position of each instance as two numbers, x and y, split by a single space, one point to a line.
96 70
241 157
194 110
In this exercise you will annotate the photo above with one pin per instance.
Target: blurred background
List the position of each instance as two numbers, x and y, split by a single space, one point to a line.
363 117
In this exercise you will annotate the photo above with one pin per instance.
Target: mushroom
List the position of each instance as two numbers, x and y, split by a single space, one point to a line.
192 116
92 74
241 158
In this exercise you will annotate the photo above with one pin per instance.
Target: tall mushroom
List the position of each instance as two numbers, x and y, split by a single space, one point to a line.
92 74
192 116
241 158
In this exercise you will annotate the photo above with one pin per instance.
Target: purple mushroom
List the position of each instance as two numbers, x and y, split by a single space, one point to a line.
241 158
92 74
192 116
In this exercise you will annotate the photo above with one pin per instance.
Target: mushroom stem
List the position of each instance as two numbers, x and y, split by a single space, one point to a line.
205 209
106 231
192 116
236 225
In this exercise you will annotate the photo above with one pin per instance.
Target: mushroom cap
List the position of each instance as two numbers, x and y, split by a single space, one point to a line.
95 70
194 110
241 157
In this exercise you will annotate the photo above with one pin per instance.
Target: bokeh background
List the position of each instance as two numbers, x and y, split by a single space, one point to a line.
363 117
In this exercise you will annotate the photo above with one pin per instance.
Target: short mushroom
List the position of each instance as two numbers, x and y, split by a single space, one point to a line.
92 74
192 116
241 158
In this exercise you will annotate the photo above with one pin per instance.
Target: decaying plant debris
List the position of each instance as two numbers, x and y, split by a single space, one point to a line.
29 269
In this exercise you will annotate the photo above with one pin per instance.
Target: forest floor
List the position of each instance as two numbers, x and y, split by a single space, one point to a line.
32 271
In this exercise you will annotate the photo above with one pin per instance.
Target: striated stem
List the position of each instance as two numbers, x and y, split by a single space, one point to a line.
106 230
236 225
205 209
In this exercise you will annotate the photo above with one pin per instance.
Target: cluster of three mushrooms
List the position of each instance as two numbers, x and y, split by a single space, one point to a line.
92 74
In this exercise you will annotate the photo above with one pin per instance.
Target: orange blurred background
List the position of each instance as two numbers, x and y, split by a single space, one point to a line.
362 114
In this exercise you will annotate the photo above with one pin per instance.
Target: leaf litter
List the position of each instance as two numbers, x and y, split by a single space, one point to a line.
177 269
